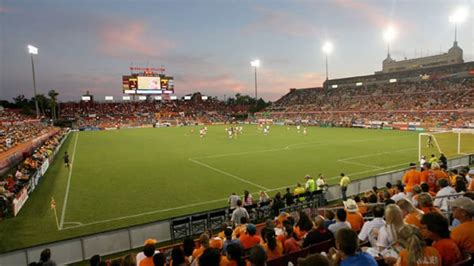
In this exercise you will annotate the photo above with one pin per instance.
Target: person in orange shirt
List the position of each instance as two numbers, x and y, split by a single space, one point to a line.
436 227
411 178
425 203
415 252
361 204
273 247
439 173
250 239
463 234
428 176
149 251
411 214
353 215
203 244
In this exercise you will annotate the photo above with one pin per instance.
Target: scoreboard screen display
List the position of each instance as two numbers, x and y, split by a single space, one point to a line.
134 84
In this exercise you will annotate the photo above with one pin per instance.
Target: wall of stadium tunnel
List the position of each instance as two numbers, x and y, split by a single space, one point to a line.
124 239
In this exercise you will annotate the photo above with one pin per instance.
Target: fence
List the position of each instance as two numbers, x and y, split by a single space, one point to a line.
119 240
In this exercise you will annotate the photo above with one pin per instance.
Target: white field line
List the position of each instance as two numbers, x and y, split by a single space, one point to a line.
243 180
360 164
348 159
228 174
199 203
63 212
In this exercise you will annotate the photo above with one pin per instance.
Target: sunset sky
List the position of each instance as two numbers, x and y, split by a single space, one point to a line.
208 45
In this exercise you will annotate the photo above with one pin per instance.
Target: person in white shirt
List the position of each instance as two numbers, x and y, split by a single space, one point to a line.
320 183
400 194
422 160
446 190
233 200
148 250
388 234
370 229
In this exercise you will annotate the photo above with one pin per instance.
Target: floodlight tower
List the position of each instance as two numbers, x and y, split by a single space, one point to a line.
255 64
327 49
34 51
458 17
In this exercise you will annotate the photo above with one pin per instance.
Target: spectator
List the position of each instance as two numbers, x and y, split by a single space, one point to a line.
425 203
94 260
148 252
273 247
341 222
234 255
289 198
344 183
128 260
238 213
347 245
210 257
411 178
241 228
159 259
411 214
303 225
399 193
318 234
228 239
436 228
188 248
247 198
177 257
353 215
371 228
203 245
441 200
388 234
45 258
299 190
463 234
249 238
330 218
415 252
291 243
277 204
258 256
233 200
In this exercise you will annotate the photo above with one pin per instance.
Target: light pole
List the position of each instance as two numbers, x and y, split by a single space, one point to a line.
255 64
34 51
327 49
388 36
458 17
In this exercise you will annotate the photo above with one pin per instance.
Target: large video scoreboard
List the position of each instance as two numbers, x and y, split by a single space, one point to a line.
156 84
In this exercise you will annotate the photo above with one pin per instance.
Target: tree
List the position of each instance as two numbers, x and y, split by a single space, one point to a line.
43 103
53 95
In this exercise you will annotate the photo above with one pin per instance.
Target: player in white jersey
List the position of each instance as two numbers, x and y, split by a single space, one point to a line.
298 129
305 132
230 132
265 131
201 132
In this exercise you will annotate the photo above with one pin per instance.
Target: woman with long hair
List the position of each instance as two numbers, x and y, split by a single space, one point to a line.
273 247
388 234
415 252
235 255
303 225
247 198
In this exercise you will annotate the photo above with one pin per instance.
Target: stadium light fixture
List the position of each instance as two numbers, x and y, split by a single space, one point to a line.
327 49
32 50
255 64
459 16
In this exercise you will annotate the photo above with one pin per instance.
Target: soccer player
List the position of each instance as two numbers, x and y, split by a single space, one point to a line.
430 141
305 132
265 131
230 132
66 159
298 129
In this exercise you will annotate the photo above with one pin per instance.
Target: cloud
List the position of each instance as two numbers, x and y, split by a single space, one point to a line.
4 10
210 85
132 39
281 22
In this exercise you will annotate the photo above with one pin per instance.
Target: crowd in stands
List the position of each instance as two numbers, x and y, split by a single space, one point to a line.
16 128
14 183
121 114
424 219
428 102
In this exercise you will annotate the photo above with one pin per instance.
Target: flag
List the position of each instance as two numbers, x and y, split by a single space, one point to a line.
53 204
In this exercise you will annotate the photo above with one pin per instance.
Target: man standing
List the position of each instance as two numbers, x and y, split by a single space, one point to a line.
411 178
344 183
310 185
233 200
321 183
238 213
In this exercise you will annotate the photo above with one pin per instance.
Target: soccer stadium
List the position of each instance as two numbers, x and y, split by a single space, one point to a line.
367 159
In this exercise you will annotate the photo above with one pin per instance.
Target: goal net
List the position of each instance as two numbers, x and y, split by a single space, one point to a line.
450 143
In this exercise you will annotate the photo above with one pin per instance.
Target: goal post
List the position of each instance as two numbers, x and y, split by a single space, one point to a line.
450 143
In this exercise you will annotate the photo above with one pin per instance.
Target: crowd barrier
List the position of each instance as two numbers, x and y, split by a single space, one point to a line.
124 239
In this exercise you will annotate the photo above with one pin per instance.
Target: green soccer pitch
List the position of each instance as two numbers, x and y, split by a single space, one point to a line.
133 176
